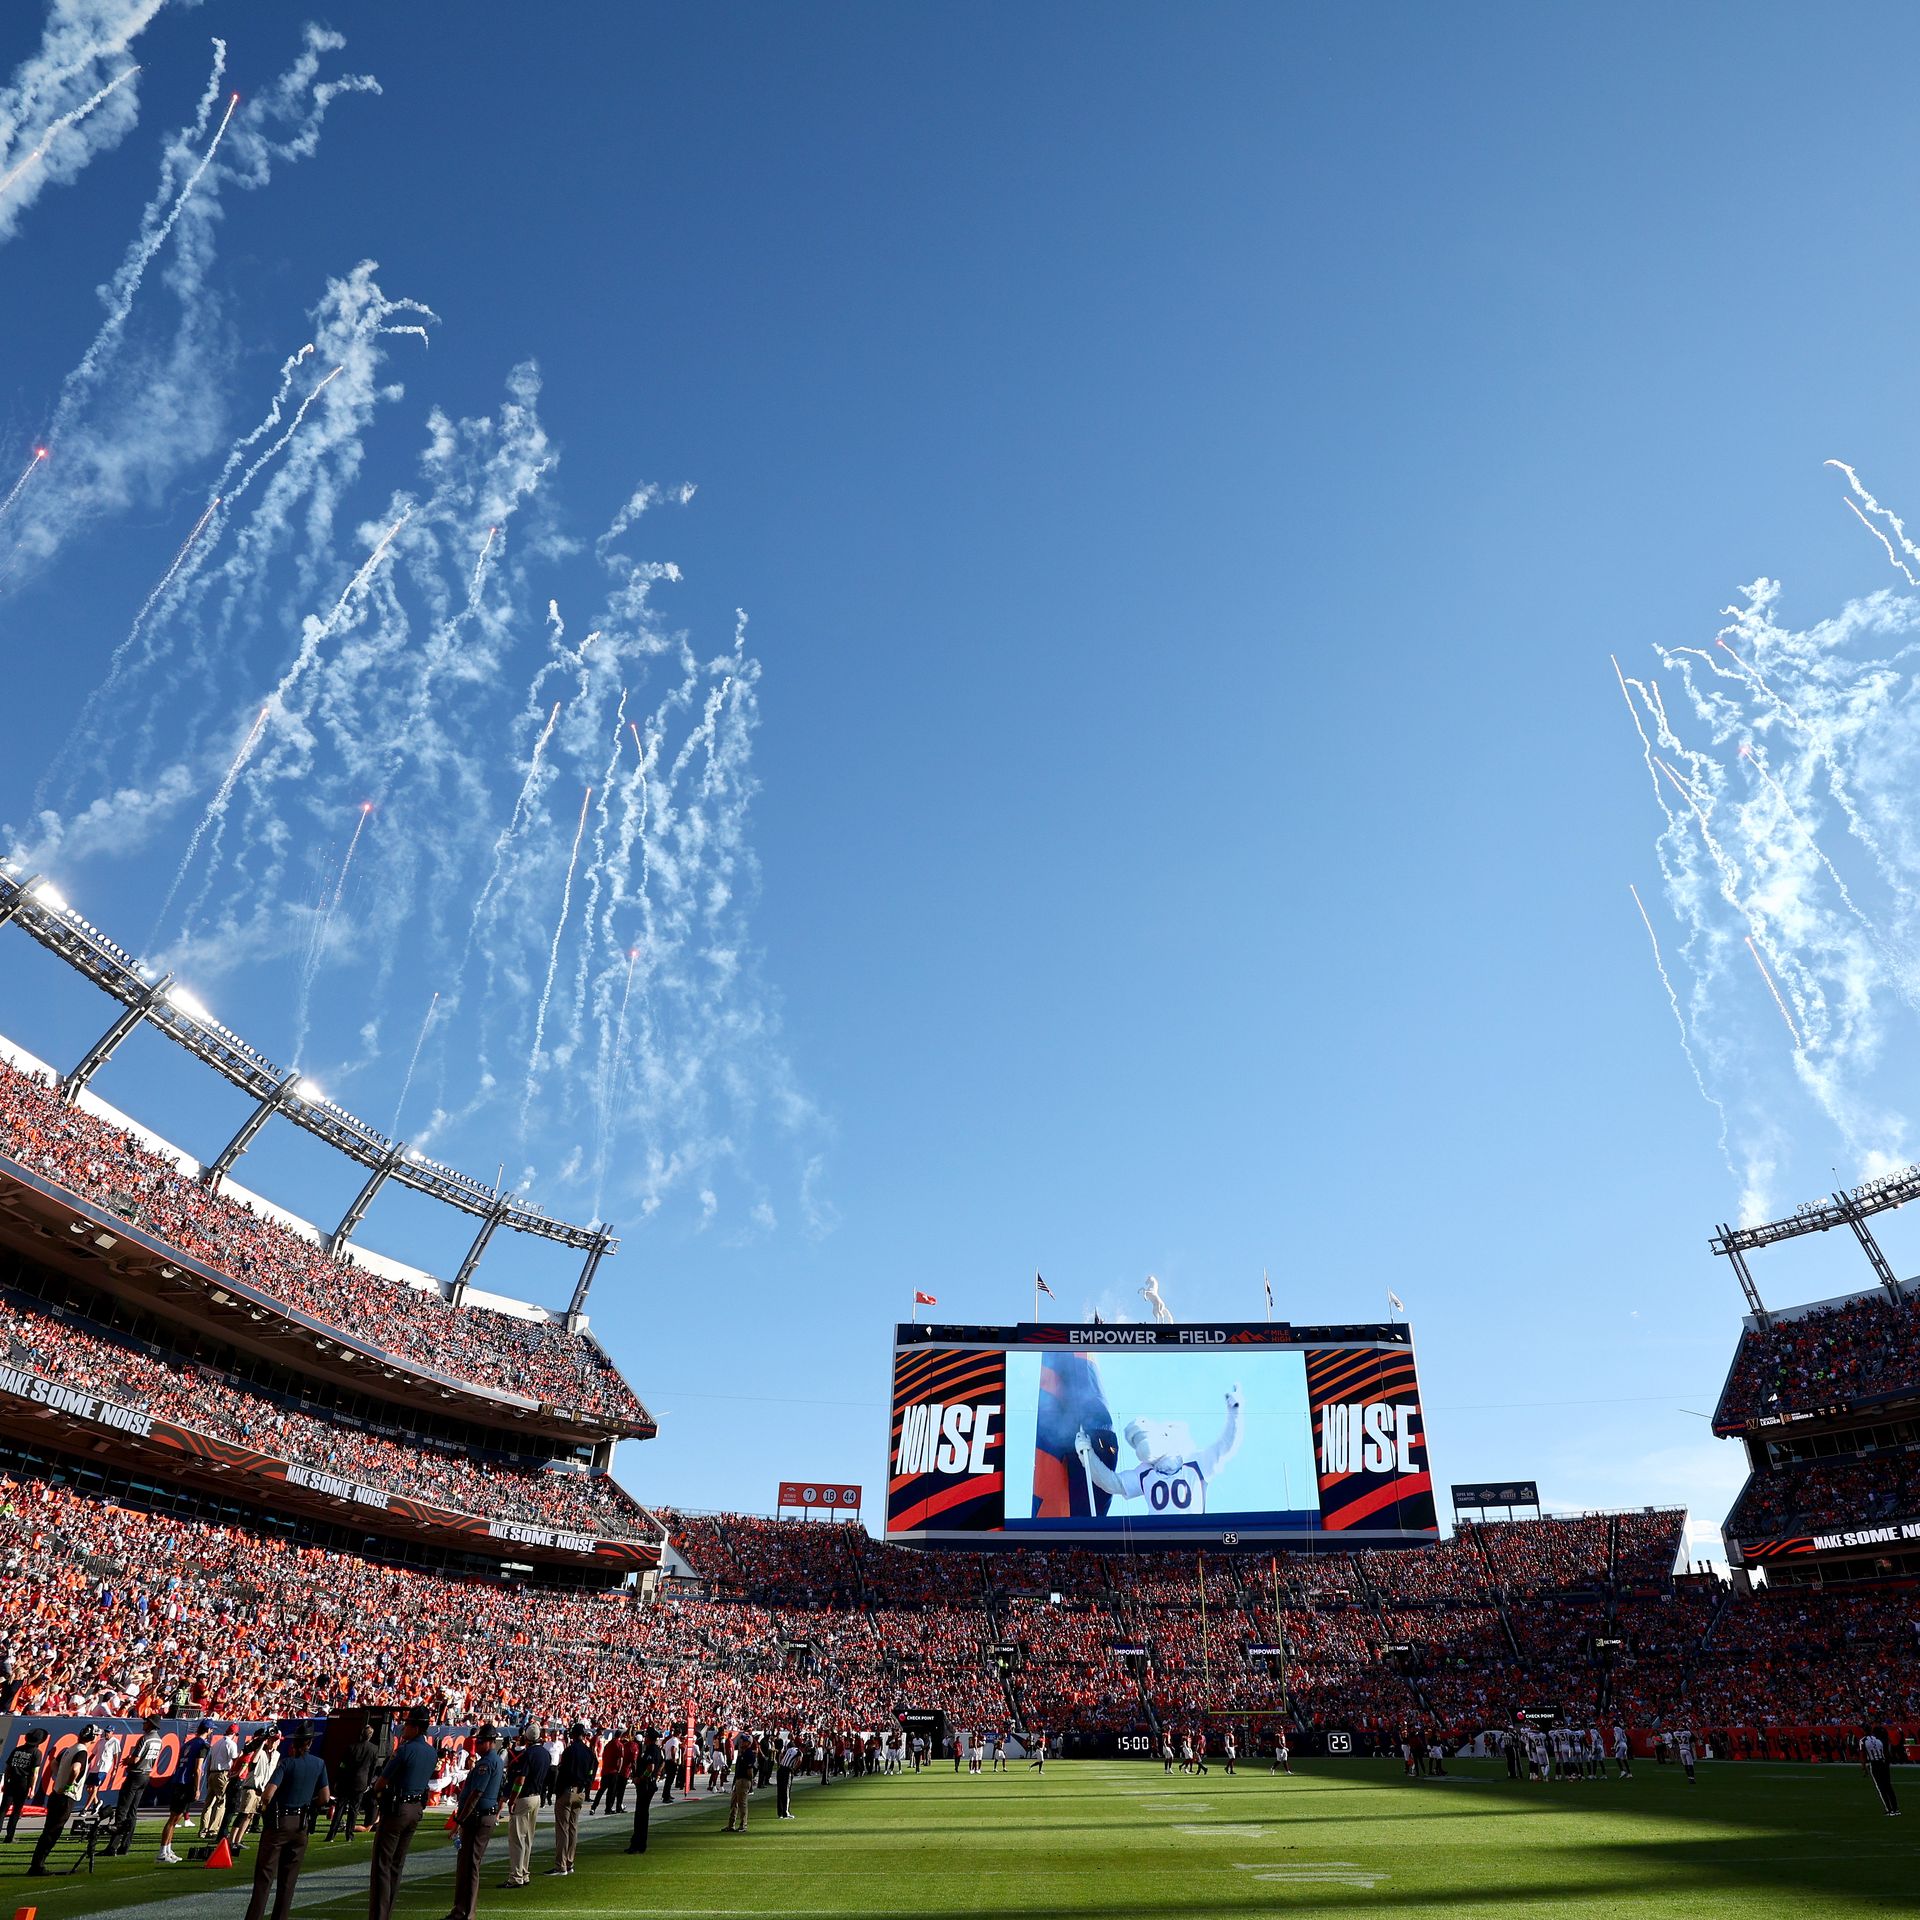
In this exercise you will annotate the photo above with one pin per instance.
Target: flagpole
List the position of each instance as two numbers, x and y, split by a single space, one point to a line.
1266 1280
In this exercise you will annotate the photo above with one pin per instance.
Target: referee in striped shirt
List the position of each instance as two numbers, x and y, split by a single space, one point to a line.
1873 1763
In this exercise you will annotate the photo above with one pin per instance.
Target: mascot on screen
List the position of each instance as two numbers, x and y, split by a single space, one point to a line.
1072 1416
1172 1476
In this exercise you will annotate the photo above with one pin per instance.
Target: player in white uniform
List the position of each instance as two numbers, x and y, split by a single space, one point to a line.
1170 1481
1683 1743
1622 1754
1282 1755
1596 1755
1166 1750
1229 1751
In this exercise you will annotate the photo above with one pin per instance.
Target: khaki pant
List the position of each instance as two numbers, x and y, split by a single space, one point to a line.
214 1814
520 1830
737 1811
566 1825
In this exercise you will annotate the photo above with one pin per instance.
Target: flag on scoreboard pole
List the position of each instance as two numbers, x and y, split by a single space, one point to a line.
1266 1280
1395 1302
1040 1287
922 1300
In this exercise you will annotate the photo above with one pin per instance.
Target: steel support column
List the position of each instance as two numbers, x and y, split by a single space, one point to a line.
1744 1274
464 1278
351 1219
102 1050
1883 1271
578 1305
218 1167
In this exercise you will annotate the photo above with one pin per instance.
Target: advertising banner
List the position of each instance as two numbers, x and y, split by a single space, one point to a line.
1794 1546
21 1389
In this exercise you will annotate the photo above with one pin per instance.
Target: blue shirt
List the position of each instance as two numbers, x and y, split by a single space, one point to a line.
481 1793
297 1779
412 1767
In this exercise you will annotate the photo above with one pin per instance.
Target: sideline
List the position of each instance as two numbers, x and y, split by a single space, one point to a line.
227 1897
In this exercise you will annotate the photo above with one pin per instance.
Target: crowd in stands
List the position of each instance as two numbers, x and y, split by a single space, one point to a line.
476 1345
1831 1357
1828 1493
1563 1557
106 1608
77 1354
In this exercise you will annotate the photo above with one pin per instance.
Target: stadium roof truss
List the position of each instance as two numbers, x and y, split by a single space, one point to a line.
157 1000
1848 1209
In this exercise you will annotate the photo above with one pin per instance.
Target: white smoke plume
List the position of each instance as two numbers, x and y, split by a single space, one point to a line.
342 630
1784 762
72 100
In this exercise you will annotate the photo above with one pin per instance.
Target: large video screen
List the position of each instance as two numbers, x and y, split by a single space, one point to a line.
1258 1431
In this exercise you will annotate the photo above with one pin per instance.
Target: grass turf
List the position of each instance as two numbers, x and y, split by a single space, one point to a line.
1094 1839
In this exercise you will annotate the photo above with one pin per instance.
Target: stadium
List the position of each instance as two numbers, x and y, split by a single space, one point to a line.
1164 842
209 1404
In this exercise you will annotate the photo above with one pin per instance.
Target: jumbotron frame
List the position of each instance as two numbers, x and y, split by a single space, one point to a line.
1844 1209
34 904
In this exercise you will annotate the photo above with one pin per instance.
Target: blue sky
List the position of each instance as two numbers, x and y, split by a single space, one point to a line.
1186 471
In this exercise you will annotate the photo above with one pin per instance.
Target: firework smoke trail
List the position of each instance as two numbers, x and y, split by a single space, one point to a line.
359 827
553 965
65 121
610 1088
1775 991
216 809
33 466
179 559
1893 558
1680 1022
393 1132
125 284
117 661
1752 758
596 867
474 588
317 630
521 806
1886 513
321 925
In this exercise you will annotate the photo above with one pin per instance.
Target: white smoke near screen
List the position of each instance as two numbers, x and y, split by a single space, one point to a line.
339 738
72 100
1784 762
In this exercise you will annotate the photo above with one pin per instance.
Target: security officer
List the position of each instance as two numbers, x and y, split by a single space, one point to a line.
403 1793
295 1797
646 1778
477 1814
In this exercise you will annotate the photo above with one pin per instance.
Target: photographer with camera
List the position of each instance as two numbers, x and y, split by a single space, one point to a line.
142 1756
64 1791
295 1795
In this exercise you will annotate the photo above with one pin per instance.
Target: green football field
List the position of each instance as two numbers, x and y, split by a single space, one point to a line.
1097 1839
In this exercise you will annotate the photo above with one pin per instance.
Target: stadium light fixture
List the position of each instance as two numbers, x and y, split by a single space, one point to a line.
50 896
309 1091
181 998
